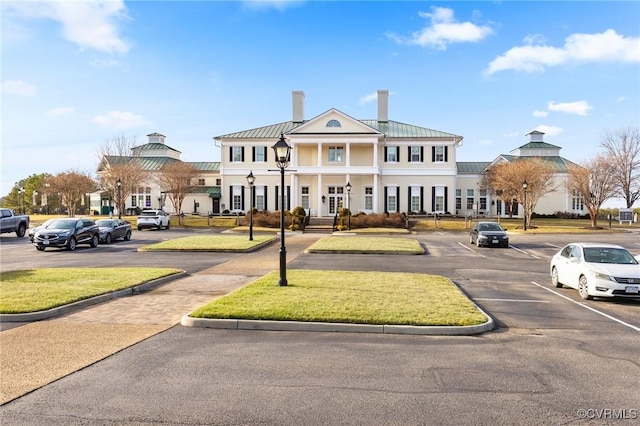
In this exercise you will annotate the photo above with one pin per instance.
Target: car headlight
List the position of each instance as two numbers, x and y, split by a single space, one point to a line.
602 276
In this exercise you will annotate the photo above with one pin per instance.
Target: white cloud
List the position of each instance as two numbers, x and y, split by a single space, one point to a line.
538 113
621 99
444 30
61 111
271 4
549 130
369 98
577 108
18 88
608 46
120 120
89 24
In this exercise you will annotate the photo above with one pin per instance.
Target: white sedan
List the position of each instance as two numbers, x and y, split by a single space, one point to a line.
596 270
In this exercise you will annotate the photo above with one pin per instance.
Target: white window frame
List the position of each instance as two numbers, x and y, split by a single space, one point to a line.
439 154
336 154
415 154
368 198
439 199
392 154
261 154
415 199
236 154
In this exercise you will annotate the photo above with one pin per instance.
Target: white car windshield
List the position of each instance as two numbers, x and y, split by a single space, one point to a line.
609 255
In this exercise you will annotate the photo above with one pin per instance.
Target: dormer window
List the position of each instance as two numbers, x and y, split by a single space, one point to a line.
333 123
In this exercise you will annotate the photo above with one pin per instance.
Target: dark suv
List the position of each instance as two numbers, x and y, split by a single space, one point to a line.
67 233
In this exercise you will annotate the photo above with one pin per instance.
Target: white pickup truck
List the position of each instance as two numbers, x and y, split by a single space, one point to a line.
9 222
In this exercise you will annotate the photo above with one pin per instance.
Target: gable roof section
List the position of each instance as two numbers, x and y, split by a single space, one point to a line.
206 166
345 124
560 164
537 145
472 167
154 145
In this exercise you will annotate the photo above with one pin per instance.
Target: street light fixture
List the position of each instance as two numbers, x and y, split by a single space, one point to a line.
251 179
35 200
349 204
524 204
119 202
21 192
282 151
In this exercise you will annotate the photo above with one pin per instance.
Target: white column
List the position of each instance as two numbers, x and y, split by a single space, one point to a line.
376 202
375 155
294 191
319 155
348 155
319 200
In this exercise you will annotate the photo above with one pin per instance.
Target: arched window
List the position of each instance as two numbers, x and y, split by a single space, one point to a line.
333 123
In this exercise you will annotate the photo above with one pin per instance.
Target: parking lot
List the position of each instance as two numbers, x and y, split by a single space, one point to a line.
553 358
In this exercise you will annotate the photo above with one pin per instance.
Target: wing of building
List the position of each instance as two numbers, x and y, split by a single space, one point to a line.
367 165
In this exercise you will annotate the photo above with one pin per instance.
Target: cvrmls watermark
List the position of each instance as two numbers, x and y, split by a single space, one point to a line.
607 413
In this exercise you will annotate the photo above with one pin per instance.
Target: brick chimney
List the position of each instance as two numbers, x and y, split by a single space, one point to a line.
298 106
383 106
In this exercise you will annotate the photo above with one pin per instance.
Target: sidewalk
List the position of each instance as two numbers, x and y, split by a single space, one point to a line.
39 353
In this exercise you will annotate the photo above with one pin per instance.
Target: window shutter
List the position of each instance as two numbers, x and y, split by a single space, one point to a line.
433 154
433 198
385 154
253 154
398 198
421 154
397 154
446 153
231 154
264 192
386 201
242 153
242 198
409 153
409 207
288 197
277 199
422 198
230 205
446 193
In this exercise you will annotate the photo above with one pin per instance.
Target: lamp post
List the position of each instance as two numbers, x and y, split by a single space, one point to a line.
45 196
282 151
118 202
21 193
349 204
35 200
251 180
524 204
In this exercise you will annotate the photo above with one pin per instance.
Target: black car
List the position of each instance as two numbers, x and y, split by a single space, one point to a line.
67 233
488 234
113 229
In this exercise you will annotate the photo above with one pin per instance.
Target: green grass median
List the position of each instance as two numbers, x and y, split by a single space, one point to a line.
362 244
349 297
210 243
36 290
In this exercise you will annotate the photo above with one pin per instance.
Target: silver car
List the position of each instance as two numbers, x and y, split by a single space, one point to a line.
596 270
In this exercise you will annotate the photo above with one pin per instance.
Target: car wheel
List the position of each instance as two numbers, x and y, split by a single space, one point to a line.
22 229
139 228
470 239
107 239
168 224
40 248
583 288
95 240
127 236
71 244
554 278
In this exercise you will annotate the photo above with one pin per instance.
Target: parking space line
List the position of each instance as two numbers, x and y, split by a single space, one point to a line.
523 252
633 327
552 245
470 249
511 300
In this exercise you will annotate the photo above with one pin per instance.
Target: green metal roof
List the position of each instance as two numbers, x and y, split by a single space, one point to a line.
156 163
206 166
538 145
471 167
391 129
154 145
561 164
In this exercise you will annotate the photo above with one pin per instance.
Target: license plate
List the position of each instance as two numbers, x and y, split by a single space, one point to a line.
632 289
495 241
45 242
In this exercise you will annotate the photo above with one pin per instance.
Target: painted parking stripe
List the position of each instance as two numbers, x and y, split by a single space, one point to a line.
470 249
633 327
524 252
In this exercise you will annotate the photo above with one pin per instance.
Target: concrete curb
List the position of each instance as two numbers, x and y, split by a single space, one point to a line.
61 310
328 327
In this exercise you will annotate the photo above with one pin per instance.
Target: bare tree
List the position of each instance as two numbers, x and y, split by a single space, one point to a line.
119 161
623 150
176 180
72 186
507 179
595 181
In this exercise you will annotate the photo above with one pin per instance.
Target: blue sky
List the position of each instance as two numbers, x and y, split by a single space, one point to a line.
78 73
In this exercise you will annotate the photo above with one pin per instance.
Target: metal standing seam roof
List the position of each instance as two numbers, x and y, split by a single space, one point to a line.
561 164
391 129
538 145
154 145
156 163
472 167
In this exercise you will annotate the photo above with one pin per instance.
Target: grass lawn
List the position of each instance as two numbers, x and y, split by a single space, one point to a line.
349 297
361 244
216 242
41 289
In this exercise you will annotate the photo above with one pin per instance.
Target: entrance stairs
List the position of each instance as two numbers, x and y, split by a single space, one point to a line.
320 225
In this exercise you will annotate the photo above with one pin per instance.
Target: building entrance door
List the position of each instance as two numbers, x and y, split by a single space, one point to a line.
336 199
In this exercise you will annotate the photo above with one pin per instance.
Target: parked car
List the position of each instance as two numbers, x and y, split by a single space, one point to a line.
32 231
596 270
10 222
488 234
113 229
67 233
153 219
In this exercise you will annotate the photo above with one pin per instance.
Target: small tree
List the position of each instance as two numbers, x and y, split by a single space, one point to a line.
623 151
73 187
176 180
594 180
507 179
